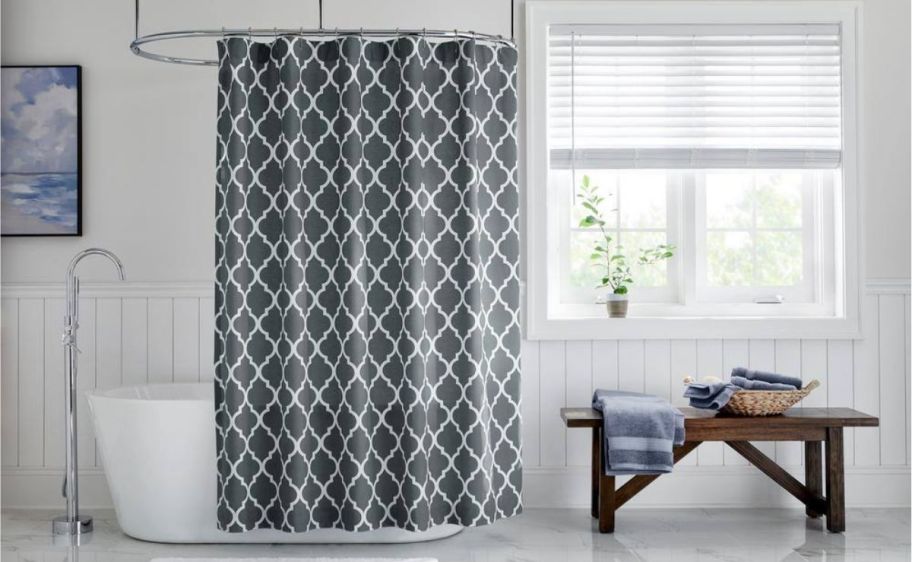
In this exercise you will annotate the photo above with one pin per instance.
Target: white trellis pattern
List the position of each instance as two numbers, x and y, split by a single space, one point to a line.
367 295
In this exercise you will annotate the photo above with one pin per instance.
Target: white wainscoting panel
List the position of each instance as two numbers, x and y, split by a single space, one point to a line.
135 333
30 425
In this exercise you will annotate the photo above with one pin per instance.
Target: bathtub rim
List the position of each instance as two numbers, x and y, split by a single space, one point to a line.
121 392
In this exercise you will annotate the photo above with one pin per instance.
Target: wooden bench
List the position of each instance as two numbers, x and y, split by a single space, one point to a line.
813 426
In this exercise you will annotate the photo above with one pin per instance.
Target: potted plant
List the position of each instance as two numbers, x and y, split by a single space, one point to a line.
611 256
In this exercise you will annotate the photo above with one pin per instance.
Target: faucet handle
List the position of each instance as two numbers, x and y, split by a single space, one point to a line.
68 339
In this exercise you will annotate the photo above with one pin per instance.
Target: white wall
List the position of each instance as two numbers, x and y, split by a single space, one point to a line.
885 137
149 128
148 195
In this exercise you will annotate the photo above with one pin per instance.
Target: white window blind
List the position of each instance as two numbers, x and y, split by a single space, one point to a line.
694 96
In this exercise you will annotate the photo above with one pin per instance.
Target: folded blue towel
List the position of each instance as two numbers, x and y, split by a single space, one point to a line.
748 384
639 432
712 396
765 376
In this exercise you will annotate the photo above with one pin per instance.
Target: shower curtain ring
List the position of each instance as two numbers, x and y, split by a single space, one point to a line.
249 32
275 34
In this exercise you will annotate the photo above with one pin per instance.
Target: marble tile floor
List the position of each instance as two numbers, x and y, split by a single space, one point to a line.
539 535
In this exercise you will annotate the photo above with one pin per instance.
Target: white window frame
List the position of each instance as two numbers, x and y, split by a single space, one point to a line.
545 318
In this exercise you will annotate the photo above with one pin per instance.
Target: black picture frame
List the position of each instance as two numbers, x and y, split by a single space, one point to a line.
78 232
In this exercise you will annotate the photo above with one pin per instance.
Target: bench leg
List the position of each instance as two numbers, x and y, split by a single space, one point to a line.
606 504
596 468
813 472
835 481
603 498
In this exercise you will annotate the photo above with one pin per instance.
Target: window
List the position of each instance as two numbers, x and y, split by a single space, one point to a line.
724 132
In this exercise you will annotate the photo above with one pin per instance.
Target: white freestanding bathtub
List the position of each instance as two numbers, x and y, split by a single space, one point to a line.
157 444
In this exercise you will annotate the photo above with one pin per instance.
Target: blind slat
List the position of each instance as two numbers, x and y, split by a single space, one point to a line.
694 158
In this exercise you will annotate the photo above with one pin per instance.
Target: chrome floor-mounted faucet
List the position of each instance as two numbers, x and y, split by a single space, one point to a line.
72 523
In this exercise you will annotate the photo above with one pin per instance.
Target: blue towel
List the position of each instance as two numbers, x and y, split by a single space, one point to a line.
639 432
753 375
748 384
712 396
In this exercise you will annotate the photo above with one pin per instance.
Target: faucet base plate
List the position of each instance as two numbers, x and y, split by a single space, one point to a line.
62 525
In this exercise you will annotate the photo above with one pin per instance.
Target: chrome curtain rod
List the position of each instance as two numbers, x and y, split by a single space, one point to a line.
139 40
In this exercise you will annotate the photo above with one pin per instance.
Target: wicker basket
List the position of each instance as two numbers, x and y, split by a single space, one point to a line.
766 402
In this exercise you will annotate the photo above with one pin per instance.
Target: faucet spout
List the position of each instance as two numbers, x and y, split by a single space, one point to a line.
71 270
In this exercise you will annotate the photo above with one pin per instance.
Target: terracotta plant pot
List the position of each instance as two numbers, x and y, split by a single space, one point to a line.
617 306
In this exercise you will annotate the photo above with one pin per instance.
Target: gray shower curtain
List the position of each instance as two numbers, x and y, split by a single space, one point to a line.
367 295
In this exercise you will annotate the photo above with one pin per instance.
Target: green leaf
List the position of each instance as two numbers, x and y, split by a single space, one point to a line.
622 290
588 221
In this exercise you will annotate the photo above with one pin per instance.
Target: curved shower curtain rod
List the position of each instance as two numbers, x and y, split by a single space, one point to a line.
139 40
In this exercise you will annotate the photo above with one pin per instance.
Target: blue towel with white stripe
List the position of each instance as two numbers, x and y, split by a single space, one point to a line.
765 376
749 384
639 432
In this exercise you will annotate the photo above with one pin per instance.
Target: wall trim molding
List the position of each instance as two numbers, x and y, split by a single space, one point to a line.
39 488
205 289
557 487
698 487
888 286
109 289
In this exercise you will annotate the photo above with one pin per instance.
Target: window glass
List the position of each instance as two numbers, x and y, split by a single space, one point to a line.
635 210
754 229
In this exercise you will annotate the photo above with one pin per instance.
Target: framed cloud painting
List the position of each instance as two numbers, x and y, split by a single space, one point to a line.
40 141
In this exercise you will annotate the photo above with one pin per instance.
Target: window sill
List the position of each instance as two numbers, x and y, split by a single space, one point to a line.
655 327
